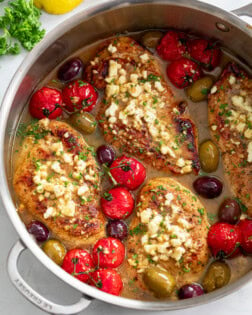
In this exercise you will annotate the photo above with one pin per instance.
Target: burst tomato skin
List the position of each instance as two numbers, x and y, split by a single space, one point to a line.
204 51
172 46
108 253
107 280
44 103
128 172
78 260
246 235
79 95
183 72
224 239
118 203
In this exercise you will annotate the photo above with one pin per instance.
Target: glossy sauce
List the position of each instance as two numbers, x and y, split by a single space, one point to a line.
198 111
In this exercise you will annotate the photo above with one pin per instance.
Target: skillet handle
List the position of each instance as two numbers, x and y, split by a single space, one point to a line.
32 295
246 10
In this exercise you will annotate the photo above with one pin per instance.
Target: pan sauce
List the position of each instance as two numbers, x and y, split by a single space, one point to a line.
198 111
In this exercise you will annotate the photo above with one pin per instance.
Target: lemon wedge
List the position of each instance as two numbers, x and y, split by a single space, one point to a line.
57 6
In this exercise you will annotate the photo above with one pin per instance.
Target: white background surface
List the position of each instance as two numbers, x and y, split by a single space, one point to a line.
12 303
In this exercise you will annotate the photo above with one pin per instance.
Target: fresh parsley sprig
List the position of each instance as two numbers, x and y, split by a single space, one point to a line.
20 23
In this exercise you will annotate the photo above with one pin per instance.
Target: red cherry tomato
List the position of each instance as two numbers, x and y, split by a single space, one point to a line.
183 72
79 95
44 103
128 172
108 253
246 235
107 280
77 262
172 46
204 51
118 203
224 240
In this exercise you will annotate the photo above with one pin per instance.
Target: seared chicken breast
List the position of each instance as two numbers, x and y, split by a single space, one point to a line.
169 231
57 182
139 114
230 120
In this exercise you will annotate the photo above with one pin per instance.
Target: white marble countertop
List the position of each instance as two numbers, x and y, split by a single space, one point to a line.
12 303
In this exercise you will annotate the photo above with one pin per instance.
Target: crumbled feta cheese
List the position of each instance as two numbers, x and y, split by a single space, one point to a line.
135 90
112 89
180 162
68 158
159 86
134 78
112 49
232 80
82 190
144 57
241 102
168 198
213 89
56 167
59 190
50 211
167 150
111 110
248 134
113 67
145 215
177 253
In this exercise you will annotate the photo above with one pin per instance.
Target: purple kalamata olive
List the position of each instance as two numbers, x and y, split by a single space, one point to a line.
117 229
229 211
105 154
70 69
190 290
208 187
39 230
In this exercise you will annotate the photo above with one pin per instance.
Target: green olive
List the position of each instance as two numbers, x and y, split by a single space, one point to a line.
151 39
209 156
55 250
218 274
159 281
84 122
199 90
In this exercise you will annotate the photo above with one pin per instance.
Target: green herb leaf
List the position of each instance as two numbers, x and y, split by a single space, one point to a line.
20 23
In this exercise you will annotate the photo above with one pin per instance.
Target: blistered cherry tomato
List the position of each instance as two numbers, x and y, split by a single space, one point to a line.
118 203
39 230
108 253
188 291
205 51
107 280
78 263
70 69
183 72
224 240
229 211
105 154
172 46
128 172
208 187
246 235
117 229
79 95
45 103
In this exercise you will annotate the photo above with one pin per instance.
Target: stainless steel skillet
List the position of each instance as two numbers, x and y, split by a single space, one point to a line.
89 25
